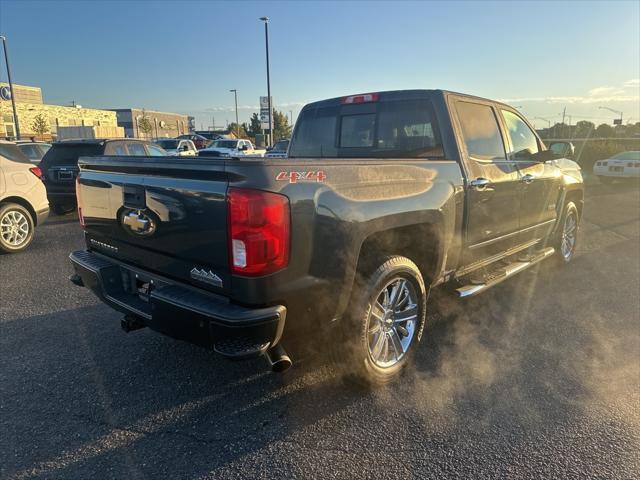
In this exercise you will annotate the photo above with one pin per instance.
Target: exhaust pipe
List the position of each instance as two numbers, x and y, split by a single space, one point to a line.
278 359
130 323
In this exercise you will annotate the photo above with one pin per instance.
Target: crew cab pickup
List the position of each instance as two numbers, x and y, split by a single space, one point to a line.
231 148
383 196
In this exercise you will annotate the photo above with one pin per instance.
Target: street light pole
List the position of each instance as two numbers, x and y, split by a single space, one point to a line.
266 41
235 96
600 108
13 97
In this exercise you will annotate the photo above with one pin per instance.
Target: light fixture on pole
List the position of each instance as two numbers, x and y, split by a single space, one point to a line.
235 96
266 40
616 121
13 97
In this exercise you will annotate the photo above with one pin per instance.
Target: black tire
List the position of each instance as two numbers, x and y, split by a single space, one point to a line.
563 255
351 350
12 214
606 180
62 208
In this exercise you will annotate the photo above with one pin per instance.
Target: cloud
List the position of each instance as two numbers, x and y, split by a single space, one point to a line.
603 94
602 91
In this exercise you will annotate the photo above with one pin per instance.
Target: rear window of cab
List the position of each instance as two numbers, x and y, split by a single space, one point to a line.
391 129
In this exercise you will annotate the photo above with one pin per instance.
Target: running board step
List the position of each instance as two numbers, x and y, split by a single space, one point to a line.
502 273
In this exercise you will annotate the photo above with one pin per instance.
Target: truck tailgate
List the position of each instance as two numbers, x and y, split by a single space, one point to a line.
166 214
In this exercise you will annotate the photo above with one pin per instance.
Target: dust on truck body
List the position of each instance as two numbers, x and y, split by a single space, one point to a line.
382 197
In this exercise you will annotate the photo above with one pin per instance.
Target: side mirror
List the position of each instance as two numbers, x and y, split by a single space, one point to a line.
562 149
244 147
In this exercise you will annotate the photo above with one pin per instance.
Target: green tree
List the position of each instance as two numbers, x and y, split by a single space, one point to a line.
281 127
40 125
144 124
231 129
584 129
605 131
255 128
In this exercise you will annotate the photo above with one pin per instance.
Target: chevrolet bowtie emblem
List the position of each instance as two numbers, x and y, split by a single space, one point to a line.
206 276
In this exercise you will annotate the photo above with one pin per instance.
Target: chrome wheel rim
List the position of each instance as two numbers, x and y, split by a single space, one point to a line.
14 228
569 232
392 322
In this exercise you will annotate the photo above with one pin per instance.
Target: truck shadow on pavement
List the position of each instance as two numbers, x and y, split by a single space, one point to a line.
82 399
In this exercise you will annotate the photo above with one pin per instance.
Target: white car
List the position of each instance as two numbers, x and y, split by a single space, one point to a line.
176 147
23 199
621 165
231 148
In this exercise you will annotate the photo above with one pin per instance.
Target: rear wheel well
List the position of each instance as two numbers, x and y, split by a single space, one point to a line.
419 243
23 203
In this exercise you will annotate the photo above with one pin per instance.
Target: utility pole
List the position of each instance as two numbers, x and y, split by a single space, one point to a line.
235 96
266 41
13 97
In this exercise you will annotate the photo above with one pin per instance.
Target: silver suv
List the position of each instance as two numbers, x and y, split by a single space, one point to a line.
23 199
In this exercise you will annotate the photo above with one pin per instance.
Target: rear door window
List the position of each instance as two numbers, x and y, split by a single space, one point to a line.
480 131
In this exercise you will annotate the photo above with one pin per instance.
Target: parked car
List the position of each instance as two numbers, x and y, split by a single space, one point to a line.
198 140
621 165
279 150
383 196
60 164
33 150
231 148
23 199
177 147
211 136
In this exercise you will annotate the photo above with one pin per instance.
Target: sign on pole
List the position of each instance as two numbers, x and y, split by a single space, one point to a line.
264 112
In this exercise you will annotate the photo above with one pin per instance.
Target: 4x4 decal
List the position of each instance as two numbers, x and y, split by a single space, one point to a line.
295 177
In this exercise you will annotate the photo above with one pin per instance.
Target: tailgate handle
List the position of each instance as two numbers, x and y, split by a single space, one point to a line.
134 196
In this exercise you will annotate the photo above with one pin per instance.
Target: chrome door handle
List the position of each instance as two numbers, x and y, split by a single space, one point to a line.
528 179
480 184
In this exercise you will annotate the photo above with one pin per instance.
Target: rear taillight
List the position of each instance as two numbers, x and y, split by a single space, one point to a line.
80 217
259 230
361 98
36 171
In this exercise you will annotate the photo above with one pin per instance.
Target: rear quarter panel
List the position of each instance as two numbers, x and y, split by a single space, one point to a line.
335 205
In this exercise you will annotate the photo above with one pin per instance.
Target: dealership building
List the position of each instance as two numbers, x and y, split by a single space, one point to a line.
29 105
137 122
141 123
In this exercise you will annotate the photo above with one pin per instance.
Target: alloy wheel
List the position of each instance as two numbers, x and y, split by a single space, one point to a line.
392 322
14 228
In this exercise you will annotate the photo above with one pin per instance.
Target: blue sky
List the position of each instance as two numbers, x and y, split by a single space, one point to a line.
185 56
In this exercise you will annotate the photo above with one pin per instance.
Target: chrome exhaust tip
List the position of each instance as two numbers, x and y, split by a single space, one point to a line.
278 359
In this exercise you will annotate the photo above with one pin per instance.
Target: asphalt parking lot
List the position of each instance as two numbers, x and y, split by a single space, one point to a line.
538 378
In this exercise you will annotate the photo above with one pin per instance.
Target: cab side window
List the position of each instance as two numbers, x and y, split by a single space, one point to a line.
480 131
155 151
115 148
137 149
524 143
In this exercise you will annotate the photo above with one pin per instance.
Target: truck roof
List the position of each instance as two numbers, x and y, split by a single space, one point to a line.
398 95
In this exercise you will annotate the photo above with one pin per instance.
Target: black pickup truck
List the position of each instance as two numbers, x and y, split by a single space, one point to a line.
383 196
